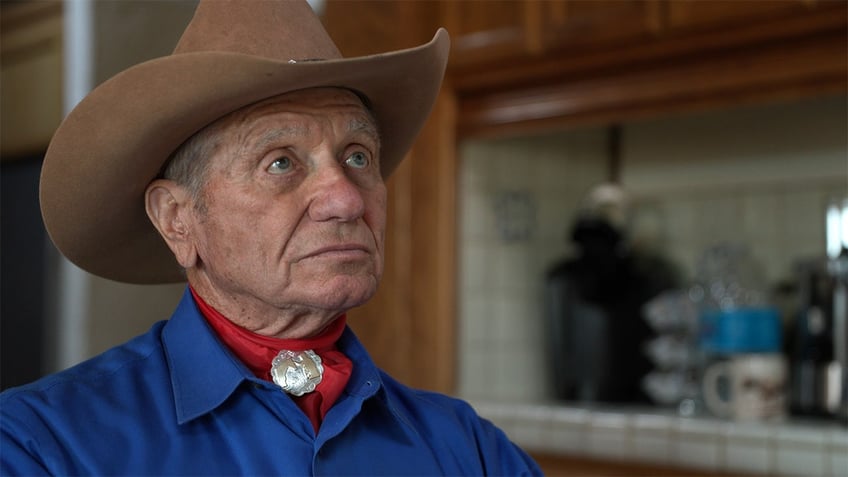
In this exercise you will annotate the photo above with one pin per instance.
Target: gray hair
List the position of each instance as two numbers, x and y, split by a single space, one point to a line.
188 165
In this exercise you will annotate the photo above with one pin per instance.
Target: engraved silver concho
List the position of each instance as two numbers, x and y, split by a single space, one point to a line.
297 372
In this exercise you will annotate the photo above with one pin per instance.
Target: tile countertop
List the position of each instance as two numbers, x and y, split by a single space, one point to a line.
792 448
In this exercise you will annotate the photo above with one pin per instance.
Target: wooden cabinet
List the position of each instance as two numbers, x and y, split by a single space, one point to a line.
506 30
486 30
688 15
602 62
31 75
501 30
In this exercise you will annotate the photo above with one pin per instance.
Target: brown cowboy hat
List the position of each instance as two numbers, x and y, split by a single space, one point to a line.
232 54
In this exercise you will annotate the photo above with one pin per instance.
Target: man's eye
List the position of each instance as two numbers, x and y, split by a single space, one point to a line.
357 160
280 166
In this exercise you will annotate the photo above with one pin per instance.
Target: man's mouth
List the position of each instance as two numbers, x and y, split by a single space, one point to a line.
340 251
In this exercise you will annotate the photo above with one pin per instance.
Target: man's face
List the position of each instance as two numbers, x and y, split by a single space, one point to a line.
292 214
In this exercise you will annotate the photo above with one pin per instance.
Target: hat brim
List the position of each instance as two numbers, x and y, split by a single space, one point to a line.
115 142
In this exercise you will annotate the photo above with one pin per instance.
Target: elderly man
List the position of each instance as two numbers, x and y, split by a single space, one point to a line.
258 154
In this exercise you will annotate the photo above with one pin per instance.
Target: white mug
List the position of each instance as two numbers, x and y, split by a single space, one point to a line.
755 383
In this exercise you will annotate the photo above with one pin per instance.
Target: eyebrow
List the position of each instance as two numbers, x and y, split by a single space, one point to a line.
364 124
369 127
273 135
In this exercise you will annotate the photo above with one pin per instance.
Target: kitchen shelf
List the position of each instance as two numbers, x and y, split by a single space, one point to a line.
657 437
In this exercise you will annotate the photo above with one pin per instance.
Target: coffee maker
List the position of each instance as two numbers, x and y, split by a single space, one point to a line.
819 352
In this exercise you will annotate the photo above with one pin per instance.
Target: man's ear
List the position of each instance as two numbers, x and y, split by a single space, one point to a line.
169 207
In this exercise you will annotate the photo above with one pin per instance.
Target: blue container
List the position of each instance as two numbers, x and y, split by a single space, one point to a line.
741 330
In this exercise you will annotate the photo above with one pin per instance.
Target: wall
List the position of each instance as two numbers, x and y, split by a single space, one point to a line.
761 175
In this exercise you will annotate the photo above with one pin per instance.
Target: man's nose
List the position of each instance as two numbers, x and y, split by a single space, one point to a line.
335 196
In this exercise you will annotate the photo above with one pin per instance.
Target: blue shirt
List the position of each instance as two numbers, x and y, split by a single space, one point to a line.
175 401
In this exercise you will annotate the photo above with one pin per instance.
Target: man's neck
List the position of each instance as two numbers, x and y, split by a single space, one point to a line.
290 322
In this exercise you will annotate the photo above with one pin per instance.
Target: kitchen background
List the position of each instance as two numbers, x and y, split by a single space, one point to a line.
759 176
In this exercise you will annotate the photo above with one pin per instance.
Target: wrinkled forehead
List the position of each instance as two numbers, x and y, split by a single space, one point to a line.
261 119
303 115
320 102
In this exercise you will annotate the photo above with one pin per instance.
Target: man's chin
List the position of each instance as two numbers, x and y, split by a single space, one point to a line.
346 292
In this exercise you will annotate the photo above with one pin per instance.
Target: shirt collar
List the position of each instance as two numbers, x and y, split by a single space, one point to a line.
203 372
365 379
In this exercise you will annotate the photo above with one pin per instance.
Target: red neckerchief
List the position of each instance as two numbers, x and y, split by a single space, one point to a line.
257 351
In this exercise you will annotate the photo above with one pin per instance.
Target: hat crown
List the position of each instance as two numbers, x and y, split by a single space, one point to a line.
280 30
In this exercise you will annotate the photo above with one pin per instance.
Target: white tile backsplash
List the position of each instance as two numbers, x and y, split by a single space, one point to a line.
748 448
652 439
478 219
550 176
476 372
761 215
477 329
698 444
610 436
801 451
569 427
836 453
760 176
655 438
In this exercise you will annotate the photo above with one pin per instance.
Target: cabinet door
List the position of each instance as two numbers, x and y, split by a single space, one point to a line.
581 24
689 15
486 30
508 29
